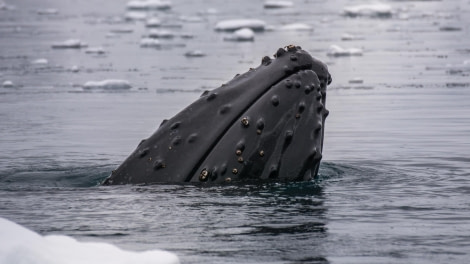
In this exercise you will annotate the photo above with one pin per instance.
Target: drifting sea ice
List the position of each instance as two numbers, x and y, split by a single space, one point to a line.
372 10
153 22
235 24
95 50
156 33
149 43
278 4
69 44
135 15
111 84
149 4
296 27
48 11
338 51
8 84
20 245
41 61
244 34
194 54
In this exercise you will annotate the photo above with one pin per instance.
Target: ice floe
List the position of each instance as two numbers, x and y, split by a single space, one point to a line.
338 51
74 68
356 80
111 84
235 24
21 245
153 22
41 61
122 30
149 4
8 84
349 37
48 11
69 44
243 34
149 43
195 53
372 10
95 50
278 4
135 15
161 33
296 27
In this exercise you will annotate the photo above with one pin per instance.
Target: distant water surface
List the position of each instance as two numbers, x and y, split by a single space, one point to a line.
394 182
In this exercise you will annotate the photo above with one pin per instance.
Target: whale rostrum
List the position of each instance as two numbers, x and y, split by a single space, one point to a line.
265 124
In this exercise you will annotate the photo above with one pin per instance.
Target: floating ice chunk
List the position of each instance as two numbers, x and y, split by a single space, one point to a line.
153 22
95 50
8 84
191 19
69 44
373 10
107 85
156 33
122 30
244 34
296 27
195 53
48 11
40 61
278 4
235 24
149 4
74 68
450 28
356 80
20 245
348 37
337 51
135 15
149 43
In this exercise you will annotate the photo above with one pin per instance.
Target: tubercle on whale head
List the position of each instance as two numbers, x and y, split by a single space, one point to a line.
232 132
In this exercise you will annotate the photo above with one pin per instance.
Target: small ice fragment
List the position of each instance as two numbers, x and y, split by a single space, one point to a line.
135 15
296 27
95 50
107 85
235 24
153 22
74 68
149 4
40 61
450 28
278 4
69 44
8 84
122 30
338 51
347 36
356 80
21 245
155 33
48 11
149 43
372 10
195 53
191 19
244 34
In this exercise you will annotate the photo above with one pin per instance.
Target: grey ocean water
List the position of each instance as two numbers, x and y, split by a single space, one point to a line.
394 183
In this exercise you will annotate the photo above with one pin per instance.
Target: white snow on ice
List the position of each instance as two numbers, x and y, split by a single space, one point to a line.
235 24
20 245
243 34
374 10
338 51
111 84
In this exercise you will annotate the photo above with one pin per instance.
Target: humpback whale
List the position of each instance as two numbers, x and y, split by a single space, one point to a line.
265 124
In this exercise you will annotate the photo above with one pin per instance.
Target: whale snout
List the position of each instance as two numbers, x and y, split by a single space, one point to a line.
267 123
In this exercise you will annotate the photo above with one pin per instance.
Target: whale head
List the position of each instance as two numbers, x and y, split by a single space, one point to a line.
267 123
